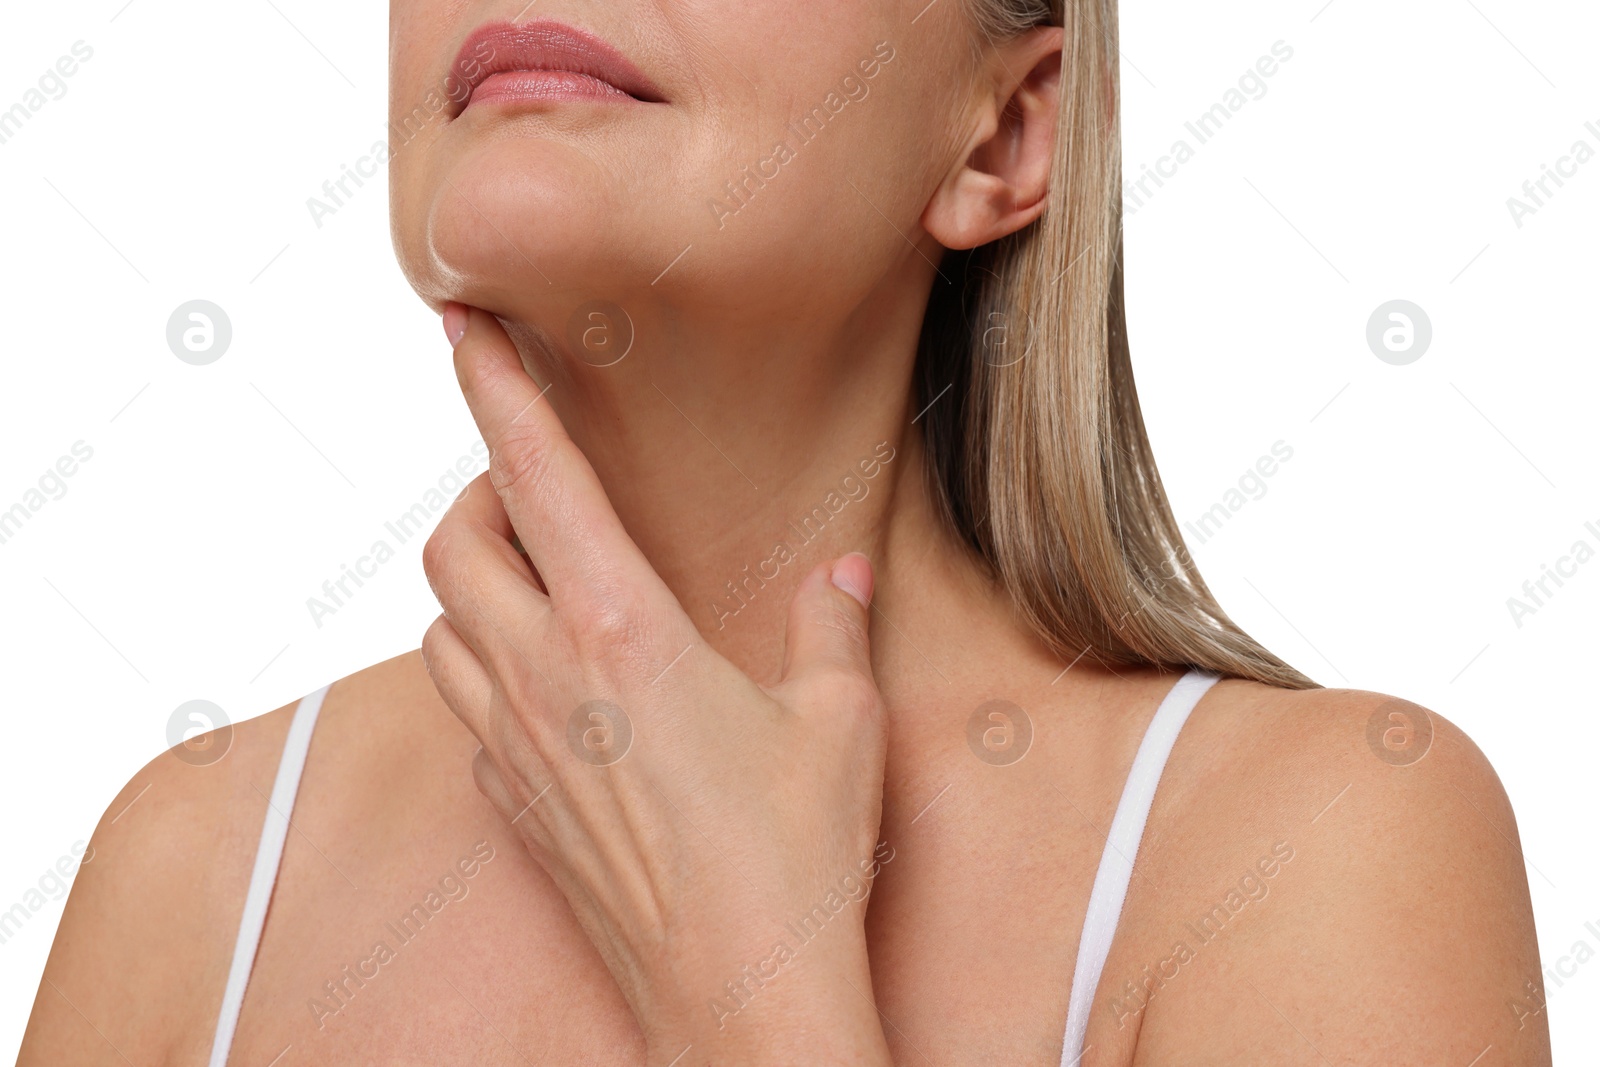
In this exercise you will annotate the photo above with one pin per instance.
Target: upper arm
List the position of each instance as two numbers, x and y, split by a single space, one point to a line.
1401 931
141 955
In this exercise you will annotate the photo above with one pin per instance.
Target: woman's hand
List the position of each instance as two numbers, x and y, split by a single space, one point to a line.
714 837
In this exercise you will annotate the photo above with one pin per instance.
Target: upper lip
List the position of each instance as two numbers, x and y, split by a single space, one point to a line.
548 45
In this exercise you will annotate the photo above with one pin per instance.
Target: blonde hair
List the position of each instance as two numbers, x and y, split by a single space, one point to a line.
1040 459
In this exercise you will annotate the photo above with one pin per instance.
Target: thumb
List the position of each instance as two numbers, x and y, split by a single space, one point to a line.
828 620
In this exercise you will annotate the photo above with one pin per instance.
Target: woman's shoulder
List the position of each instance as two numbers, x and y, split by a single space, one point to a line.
1393 792
1253 727
141 953
1301 835
195 821
141 957
1384 785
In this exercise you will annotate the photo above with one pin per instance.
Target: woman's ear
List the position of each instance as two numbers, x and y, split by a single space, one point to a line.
1001 184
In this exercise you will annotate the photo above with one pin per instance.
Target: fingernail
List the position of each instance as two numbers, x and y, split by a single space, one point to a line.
455 322
853 574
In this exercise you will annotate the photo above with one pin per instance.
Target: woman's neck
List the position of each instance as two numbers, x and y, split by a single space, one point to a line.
738 467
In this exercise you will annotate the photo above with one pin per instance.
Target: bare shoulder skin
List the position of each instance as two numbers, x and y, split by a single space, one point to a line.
1300 836
387 825
141 956
1281 849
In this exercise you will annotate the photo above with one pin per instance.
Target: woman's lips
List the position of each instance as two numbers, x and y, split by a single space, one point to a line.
547 60
514 85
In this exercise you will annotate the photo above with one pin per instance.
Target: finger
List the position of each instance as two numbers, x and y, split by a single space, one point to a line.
490 783
517 797
551 494
521 810
827 633
486 589
480 503
459 676
472 563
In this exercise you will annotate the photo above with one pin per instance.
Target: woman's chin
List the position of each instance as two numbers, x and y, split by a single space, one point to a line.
520 217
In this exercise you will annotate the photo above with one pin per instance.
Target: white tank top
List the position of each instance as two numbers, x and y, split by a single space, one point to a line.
1094 944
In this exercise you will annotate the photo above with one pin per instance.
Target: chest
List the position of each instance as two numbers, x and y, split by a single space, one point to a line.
441 942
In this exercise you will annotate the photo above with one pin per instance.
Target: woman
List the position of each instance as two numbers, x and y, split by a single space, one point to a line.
822 554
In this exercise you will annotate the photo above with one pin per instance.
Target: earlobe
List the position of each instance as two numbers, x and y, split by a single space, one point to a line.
1003 183
970 209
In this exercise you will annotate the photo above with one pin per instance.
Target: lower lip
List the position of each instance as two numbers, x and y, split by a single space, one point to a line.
531 86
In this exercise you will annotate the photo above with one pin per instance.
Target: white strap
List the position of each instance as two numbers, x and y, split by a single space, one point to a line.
265 875
1122 845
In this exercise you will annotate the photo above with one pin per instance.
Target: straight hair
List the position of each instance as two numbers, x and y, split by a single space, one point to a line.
1036 444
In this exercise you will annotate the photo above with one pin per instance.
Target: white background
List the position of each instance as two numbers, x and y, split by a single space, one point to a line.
1377 166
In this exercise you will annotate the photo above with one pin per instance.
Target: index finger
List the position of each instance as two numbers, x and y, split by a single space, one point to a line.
555 501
